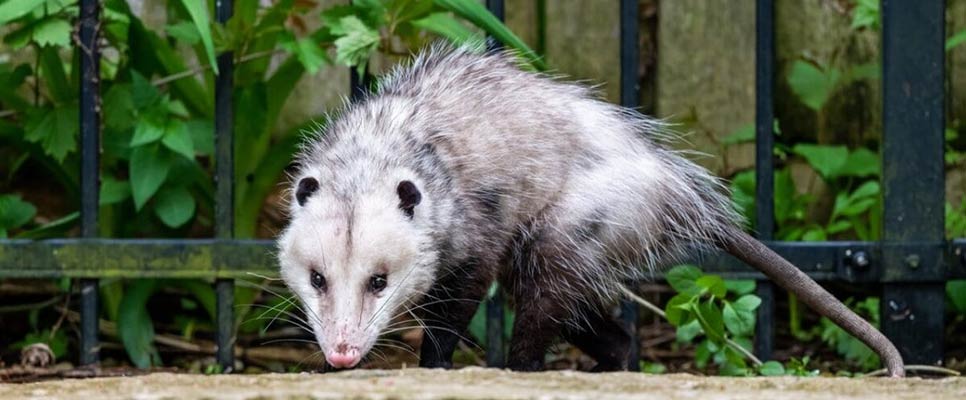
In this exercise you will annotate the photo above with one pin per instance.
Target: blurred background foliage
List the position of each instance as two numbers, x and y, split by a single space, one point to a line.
292 60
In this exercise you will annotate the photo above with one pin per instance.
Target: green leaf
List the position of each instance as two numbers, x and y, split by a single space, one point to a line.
826 160
143 93
956 291
149 168
118 100
860 163
740 286
355 43
52 70
956 40
174 206
198 10
838 226
445 25
13 9
184 31
812 85
739 316
134 324
56 131
868 189
177 138
52 32
113 191
815 234
202 135
771 368
308 51
150 127
14 212
687 332
710 317
683 278
476 13
674 312
713 284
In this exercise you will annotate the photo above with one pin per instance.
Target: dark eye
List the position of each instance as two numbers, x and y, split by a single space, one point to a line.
377 283
318 281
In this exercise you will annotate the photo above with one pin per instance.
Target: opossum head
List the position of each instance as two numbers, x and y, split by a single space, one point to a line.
357 261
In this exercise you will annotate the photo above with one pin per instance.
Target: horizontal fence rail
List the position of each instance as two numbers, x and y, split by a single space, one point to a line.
210 258
913 260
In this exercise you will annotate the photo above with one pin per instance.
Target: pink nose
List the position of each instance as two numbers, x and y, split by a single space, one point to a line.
344 357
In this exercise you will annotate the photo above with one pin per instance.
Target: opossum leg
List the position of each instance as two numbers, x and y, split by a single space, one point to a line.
604 339
447 310
543 298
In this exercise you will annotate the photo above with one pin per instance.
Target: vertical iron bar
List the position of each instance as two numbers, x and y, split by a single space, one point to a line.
90 161
764 163
225 192
630 98
495 346
359 85
913 36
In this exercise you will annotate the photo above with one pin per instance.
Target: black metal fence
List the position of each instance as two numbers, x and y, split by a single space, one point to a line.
912 261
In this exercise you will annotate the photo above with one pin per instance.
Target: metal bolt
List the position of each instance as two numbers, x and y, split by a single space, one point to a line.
962 256
857 259
912 261
899 310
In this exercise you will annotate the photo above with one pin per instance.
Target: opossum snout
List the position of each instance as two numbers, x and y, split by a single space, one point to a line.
345 356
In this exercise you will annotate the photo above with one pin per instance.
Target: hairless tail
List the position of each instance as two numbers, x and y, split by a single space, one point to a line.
786 275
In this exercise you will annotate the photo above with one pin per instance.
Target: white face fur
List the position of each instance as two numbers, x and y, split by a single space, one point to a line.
355 266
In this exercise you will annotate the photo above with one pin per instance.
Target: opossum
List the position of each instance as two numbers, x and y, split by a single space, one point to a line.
462 169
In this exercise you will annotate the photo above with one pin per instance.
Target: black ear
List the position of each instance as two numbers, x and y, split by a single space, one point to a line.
409 197
306 187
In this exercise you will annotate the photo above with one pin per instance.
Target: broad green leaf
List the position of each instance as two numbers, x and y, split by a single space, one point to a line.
748 302
687 332
52 32
709 315
445 25
743 195
184 31
149 129
838 226
814 234
120 107
52 71
740 286
14 212
674 312
476 13
177 139
308 52
683 279
713 284
134 324
771 368
13 9
812 85
174 206
143 93
738 322
198 10
868 189
826 160
860 163
56 131
113 191
956 291
148 170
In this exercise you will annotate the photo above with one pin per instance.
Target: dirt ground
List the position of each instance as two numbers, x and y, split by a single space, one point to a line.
478 383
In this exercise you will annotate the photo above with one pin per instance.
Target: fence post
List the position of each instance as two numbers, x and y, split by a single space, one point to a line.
913 35
495 346
90 174
764 164
630 98
225 192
